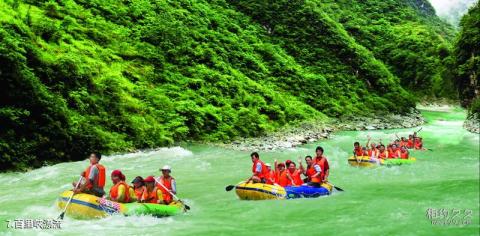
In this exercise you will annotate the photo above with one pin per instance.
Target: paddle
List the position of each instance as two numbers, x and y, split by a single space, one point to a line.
70 199
176 198
229 188
337 188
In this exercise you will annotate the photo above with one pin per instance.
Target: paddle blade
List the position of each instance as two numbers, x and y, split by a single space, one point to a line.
229 188
61 216
338 189
187 207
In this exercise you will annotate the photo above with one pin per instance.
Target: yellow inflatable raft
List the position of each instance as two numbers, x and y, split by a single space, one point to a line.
259 191
86 206
366 161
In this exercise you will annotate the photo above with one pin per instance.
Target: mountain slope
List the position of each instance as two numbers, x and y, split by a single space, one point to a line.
114 76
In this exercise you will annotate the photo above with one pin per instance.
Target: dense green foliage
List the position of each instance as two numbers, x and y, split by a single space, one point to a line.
467 54
81 75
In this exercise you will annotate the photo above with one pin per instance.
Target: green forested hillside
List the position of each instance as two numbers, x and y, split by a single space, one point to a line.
467 54
81 75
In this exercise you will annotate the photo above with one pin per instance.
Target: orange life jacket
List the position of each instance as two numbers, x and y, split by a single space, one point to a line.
310 172
323 163
114 192
150 197
99 180
282 179
264 170
270 178
167 197
139 192
297 179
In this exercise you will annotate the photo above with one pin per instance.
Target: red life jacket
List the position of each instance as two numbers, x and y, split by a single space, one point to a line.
263 172
99 180
392 154
404 155
358 151
114 192
383 155
167 197
410 143
418 144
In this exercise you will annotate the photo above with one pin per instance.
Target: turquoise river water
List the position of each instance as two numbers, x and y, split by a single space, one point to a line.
376 201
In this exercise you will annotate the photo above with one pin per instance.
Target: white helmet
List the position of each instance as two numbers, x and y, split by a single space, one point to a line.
167 167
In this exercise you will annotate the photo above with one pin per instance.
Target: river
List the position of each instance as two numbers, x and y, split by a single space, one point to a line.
377 201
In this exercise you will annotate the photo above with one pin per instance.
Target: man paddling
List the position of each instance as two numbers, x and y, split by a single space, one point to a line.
169 183
94 177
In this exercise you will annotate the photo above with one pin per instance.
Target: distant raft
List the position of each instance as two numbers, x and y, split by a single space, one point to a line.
366 161
86 206
259 191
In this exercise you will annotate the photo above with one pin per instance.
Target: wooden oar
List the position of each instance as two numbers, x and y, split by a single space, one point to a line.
70 199
175 197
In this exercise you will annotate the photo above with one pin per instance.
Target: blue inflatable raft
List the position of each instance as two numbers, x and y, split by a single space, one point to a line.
308 191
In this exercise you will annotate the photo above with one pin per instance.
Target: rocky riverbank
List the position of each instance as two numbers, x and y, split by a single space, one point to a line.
472 123
310 132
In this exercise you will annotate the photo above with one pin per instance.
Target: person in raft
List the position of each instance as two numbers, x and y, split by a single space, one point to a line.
295 173
270 178
168 182
382 153
321 167
138 187
94 177
120 191
404 152
282 176
259 169
309 171
357 150
151 194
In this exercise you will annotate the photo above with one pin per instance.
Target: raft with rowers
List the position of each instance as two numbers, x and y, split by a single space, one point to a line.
151 196
395 153
285 181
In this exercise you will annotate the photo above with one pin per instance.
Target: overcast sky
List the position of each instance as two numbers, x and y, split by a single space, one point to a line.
451 10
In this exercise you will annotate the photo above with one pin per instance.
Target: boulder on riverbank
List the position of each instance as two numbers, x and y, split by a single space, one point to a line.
472 123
